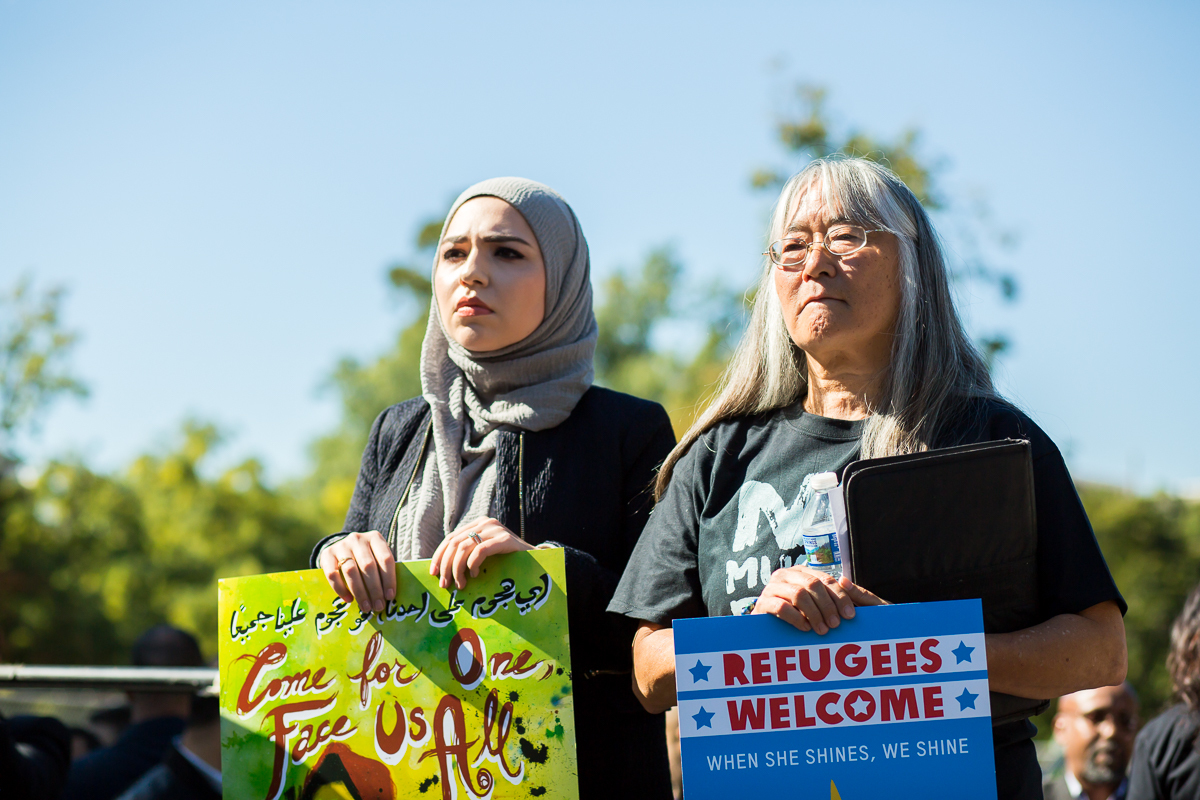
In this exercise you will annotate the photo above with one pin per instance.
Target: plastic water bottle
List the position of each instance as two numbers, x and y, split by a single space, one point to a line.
817 529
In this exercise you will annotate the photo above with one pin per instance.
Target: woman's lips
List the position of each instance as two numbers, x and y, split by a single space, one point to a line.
822 298
471 307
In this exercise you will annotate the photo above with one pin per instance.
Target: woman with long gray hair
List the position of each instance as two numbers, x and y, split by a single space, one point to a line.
511 447
855 350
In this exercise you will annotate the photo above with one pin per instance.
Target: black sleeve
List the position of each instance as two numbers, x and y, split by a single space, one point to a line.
1072 572
1143 783
1165 761
364 489
35 754
592 584
662 581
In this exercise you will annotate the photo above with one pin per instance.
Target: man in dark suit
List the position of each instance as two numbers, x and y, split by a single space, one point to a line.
1095 728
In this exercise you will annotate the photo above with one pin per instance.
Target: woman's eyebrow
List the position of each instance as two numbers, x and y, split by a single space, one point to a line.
492 239
829 223
504 237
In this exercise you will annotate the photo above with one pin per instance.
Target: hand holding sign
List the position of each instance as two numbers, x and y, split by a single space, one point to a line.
360 567
812 600
466 548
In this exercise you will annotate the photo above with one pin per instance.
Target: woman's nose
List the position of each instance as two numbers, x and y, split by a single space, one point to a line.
818 260
473 270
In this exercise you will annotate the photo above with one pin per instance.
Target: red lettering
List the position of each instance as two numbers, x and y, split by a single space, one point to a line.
898 702
374 646
498 718
282 730
934 662
473 674
309 742
752 711
784 663
803 720
760 671
853 699
779 712
270 656
806 668
390 743
881 659
823 703
735 669
851 669
933 701
906 659
420 728
454 748
501 665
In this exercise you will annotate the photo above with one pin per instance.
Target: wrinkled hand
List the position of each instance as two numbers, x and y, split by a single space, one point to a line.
360 567
812 600
460 552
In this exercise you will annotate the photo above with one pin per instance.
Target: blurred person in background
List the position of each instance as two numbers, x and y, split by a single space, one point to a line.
1166 765
511 447
109 723
1095 728
83 741
191 769
155 718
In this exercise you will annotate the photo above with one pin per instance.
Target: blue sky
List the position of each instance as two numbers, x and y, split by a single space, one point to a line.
221 185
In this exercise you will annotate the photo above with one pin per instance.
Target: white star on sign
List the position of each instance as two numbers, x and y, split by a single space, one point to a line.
858 712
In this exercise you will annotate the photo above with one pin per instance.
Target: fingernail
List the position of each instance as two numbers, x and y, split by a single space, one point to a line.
833 621
378 605
391 595
848 612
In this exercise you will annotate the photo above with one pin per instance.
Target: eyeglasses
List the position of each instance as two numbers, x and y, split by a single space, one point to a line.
839 241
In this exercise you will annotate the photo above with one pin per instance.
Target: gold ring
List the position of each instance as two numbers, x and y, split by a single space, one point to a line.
342 561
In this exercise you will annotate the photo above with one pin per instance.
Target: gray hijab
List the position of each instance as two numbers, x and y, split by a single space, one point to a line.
531 385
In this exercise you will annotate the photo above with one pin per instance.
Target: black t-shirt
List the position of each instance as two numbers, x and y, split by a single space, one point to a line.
1165 760
730 516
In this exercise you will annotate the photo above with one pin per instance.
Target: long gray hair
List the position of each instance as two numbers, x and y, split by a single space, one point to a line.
934 366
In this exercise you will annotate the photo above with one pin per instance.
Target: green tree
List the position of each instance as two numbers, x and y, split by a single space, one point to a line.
1152 545
34 349
635 306
88 561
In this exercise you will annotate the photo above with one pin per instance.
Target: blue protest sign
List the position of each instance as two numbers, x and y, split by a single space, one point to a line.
893 703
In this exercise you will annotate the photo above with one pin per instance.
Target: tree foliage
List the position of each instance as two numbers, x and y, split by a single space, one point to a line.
1152 545
88 561
34 348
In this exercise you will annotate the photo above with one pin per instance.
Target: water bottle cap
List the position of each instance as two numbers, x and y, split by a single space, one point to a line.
824 480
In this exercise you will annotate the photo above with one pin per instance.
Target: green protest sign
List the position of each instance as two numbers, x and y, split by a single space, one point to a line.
459 694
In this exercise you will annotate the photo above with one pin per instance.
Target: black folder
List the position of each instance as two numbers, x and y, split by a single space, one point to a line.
950 524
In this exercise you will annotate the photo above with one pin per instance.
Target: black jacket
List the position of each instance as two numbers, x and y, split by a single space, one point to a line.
587 486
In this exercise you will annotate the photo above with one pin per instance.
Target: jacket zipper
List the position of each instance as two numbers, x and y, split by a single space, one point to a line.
391 540
521 482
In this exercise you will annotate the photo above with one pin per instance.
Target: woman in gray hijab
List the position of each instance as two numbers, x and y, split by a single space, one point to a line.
509 447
